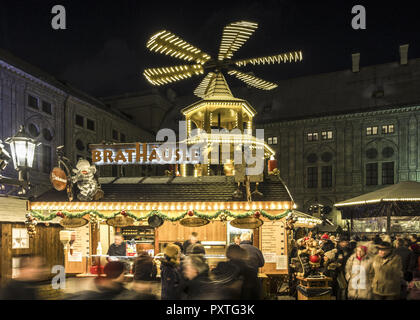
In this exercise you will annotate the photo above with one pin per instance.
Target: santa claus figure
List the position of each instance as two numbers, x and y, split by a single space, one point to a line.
84 176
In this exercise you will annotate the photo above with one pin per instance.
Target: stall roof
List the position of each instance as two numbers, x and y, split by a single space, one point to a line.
13 210
169 189
403 191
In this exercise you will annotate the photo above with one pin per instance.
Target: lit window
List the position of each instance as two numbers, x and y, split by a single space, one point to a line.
270 140
371 131
312 136
20 238
274 140
388 129
326 135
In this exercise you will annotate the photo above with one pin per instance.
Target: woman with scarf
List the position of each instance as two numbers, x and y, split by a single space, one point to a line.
359 275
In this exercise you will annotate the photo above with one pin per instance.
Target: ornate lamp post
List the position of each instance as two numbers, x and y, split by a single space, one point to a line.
23 150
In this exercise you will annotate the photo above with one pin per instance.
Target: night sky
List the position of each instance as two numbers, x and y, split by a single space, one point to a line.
103 49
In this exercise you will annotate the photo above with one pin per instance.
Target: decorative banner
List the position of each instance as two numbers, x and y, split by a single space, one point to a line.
120 221
68 222
58 179
194 222
246 223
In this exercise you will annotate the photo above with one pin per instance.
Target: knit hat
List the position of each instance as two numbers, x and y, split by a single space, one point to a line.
324 237
171 252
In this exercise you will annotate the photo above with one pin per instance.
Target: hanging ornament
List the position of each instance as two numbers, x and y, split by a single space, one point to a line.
190 213
30 224
223 217
124 213
60 214
257 214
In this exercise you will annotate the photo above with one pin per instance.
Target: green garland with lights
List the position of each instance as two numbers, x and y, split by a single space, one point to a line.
191 213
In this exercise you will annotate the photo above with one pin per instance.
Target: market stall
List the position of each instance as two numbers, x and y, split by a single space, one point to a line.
393 209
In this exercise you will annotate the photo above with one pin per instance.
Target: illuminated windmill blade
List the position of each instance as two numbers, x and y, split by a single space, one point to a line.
234 36
167 43
164 75
293 56
202 88
253 81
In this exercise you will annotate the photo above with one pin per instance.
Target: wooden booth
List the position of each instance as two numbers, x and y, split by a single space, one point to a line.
173 199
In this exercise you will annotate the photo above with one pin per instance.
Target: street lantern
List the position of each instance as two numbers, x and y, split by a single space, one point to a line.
23 151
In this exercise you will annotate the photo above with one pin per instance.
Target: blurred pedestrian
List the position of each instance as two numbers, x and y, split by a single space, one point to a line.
343 253
408 259
359 275
198 285
255 257
25 286
171 277
142 288
192 240
246 285
196 248
387 267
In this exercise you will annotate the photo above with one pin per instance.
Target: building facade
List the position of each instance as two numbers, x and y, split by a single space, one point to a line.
55 114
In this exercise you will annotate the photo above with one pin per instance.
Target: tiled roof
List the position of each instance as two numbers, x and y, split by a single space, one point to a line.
155 189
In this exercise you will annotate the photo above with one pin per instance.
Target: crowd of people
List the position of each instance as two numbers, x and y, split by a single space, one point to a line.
377 268
381 268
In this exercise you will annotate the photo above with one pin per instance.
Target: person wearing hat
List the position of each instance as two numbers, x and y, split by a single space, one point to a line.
359 274
171 277
326 243
388 273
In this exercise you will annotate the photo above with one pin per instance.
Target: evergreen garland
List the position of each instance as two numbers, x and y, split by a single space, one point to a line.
67 214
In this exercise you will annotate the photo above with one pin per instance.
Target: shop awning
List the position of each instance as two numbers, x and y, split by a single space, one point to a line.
403 191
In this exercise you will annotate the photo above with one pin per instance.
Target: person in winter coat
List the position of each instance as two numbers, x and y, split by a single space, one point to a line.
171 277
387 267
414 287
247 285
408 259
359 274
330 268
198 285
343 253
326 243
255 257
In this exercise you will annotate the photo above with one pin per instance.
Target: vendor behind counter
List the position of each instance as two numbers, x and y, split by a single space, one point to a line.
118 248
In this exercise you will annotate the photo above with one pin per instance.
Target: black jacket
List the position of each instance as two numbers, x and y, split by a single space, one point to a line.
115 250
408 259
255 256
172 281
